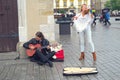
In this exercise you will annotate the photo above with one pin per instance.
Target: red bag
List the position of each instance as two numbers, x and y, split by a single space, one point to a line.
59 55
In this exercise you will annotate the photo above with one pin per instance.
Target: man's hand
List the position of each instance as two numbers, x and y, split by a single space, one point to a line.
48 47
31 47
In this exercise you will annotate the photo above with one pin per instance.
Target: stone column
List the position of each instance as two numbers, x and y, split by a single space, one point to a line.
75 3
61 3
89 3
82 1
54 3
68 3
22 27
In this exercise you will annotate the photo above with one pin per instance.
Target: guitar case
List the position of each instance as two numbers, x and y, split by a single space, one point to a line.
79 71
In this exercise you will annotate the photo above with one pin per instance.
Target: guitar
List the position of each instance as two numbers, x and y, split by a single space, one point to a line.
31 52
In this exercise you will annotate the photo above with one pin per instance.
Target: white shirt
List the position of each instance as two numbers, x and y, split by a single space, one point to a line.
83 22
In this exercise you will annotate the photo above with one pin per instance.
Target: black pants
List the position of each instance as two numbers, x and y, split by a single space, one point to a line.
107 21
94 21
39 56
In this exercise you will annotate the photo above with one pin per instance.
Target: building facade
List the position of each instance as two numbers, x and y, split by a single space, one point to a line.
70 4
98 5
103 3
37 15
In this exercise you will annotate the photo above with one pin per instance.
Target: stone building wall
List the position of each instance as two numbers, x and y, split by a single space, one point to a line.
40 18
35 15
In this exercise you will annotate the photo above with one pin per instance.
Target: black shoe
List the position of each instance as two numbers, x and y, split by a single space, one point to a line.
50 63
105 24
40 63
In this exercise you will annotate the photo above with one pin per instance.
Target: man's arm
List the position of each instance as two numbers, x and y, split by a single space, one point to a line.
26 44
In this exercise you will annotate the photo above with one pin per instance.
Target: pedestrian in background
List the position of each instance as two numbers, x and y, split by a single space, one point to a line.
107 18
94 21
85 19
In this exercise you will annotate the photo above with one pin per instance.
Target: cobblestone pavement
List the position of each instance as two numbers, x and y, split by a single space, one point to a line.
106 40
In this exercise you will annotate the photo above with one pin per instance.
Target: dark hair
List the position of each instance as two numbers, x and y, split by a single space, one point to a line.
39 34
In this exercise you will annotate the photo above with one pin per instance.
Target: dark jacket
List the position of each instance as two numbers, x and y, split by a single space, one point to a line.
33 41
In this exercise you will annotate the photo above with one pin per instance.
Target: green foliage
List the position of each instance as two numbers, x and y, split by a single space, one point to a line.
108 5
113 4
62 11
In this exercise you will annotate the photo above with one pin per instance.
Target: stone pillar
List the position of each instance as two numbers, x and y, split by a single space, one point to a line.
68 3
75 3
61 4
89 3
54 3
22 27
82 1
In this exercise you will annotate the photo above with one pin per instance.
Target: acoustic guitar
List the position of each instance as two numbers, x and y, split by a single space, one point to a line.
31 52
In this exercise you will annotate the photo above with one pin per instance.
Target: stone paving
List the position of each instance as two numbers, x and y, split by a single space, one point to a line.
106 40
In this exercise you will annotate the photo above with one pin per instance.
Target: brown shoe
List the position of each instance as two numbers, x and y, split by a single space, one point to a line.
94 56
82 55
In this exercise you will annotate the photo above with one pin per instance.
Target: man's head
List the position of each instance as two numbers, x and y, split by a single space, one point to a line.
39 35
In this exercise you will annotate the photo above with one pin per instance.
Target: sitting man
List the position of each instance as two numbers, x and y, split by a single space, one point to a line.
42 53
